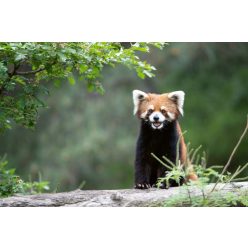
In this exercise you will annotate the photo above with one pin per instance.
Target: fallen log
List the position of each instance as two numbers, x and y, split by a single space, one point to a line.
107 198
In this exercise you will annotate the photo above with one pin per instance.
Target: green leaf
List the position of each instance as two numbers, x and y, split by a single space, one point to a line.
20 57
149 74
19 80
71 80
99 88
57 83
140 74
82 68
62 57
90 87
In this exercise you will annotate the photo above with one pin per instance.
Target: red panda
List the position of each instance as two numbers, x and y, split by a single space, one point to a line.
159 134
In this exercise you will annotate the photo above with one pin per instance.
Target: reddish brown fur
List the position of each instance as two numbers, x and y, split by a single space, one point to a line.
183 147
157 101
183 156
171 106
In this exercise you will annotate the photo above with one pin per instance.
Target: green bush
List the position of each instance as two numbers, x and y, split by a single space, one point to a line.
11 184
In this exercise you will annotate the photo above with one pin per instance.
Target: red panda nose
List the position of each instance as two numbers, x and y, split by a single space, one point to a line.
156 118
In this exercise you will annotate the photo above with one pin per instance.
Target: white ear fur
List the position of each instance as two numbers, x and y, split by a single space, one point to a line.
138 96
178 96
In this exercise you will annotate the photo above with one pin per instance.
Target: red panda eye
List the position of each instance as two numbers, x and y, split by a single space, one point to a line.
163 111
149 111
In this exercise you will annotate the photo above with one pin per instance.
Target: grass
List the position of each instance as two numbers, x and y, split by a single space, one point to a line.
208 194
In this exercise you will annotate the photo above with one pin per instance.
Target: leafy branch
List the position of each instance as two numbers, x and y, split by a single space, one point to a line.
29 72
25 66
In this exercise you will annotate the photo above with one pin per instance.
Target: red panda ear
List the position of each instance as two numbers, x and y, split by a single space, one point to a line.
178 98
138 96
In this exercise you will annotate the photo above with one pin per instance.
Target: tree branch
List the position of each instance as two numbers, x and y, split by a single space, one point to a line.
29 72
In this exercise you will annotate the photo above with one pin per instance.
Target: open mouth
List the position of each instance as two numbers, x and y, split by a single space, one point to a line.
157 125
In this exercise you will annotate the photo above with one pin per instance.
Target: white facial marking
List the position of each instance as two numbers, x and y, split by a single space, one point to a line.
143 115
171 116
179 97
138 96
157 126
157 119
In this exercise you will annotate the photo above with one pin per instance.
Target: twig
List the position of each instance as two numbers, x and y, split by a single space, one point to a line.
189 194
194 154
166 165
240 179
29 72
169 161
231 156
204 160
235 174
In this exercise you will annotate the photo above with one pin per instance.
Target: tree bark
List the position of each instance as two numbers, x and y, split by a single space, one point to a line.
108 198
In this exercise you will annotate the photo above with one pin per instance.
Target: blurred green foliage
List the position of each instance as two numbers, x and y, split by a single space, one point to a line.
90 137
11 184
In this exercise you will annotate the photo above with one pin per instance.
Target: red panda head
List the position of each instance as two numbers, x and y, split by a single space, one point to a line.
158 110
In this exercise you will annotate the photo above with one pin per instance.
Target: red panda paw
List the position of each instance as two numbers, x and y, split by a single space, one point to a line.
142 186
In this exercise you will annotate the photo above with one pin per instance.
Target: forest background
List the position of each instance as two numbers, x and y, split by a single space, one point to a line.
88 139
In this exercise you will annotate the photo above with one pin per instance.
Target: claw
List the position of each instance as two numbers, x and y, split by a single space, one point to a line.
142 186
